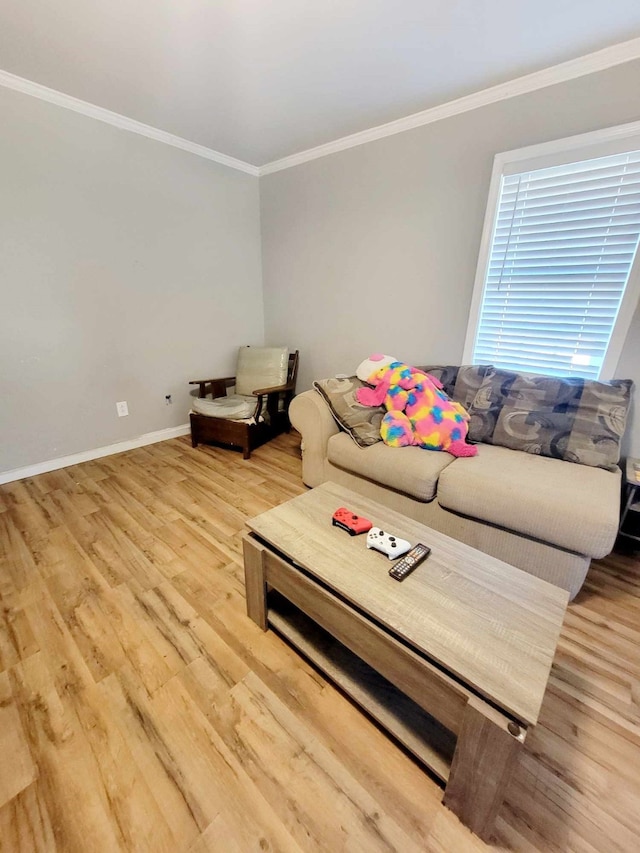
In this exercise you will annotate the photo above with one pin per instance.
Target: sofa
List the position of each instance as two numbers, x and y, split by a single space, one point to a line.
543 491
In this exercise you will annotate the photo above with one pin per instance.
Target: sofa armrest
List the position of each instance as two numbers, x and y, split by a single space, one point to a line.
310 415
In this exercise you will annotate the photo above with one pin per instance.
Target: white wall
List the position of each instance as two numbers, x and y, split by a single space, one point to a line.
375 248
127 268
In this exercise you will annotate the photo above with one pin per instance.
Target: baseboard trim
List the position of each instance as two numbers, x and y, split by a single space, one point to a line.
96 453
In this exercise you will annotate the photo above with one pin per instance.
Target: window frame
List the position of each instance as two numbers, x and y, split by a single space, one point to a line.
599 143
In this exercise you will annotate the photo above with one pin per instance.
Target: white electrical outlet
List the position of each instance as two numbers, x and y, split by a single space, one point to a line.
122 409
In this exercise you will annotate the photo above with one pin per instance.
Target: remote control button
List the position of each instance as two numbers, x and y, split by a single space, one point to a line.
409 562
381 533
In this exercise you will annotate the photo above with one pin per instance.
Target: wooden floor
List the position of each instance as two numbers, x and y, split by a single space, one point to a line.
140 709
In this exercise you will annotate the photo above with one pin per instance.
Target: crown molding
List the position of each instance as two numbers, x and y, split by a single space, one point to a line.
599 60
96 453
52 96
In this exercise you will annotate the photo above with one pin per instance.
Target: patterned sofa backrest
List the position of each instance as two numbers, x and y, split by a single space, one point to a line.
570 418
460 382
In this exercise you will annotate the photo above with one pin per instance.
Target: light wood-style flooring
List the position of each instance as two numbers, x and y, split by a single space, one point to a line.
140 709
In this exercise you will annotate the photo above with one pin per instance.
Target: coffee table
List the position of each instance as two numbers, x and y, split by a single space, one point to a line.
453 661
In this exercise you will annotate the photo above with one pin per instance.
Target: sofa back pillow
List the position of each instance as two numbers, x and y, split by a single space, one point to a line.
460 383
362 423
445 373
577 420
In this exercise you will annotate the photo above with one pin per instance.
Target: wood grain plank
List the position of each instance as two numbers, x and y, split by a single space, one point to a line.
209 778
25 823
126 700
68 775
130 795
80 650
304 766
17 640
14 747
26 512
18 564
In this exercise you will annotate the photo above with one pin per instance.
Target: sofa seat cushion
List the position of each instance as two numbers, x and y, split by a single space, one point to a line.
571 506
410 470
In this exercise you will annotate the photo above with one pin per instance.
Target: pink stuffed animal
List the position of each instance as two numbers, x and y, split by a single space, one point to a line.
418 411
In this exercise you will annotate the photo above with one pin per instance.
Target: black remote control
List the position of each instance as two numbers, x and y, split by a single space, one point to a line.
409 562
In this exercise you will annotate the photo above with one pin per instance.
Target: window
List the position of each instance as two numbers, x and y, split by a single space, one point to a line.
557 279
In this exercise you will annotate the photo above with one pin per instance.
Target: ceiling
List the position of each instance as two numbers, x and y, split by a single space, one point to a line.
259 80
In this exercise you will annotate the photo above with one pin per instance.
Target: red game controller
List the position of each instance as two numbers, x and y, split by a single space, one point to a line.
349 521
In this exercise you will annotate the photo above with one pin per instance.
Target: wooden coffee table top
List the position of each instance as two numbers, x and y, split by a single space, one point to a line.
491 625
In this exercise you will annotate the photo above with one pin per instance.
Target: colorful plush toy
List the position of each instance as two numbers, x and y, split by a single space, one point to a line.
418 411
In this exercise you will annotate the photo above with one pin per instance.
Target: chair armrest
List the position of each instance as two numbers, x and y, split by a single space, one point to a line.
272 397
215 379
275 389
217 387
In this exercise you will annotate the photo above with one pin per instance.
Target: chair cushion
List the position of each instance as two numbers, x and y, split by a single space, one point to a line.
571 506
261 367
569 418
235 407
410 470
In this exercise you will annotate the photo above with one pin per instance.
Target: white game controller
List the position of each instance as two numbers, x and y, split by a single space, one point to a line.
387 544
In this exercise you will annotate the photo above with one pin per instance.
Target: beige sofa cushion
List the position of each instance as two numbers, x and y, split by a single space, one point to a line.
571 506
410 470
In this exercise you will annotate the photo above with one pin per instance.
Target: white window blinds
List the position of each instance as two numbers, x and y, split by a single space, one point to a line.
564 241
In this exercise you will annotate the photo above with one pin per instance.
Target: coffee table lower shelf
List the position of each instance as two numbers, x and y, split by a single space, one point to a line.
487 740
428 740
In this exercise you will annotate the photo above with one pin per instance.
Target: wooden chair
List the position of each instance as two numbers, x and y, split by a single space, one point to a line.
265 416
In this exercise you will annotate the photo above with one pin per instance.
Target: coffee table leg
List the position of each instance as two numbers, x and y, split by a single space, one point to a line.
255 581
485 756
